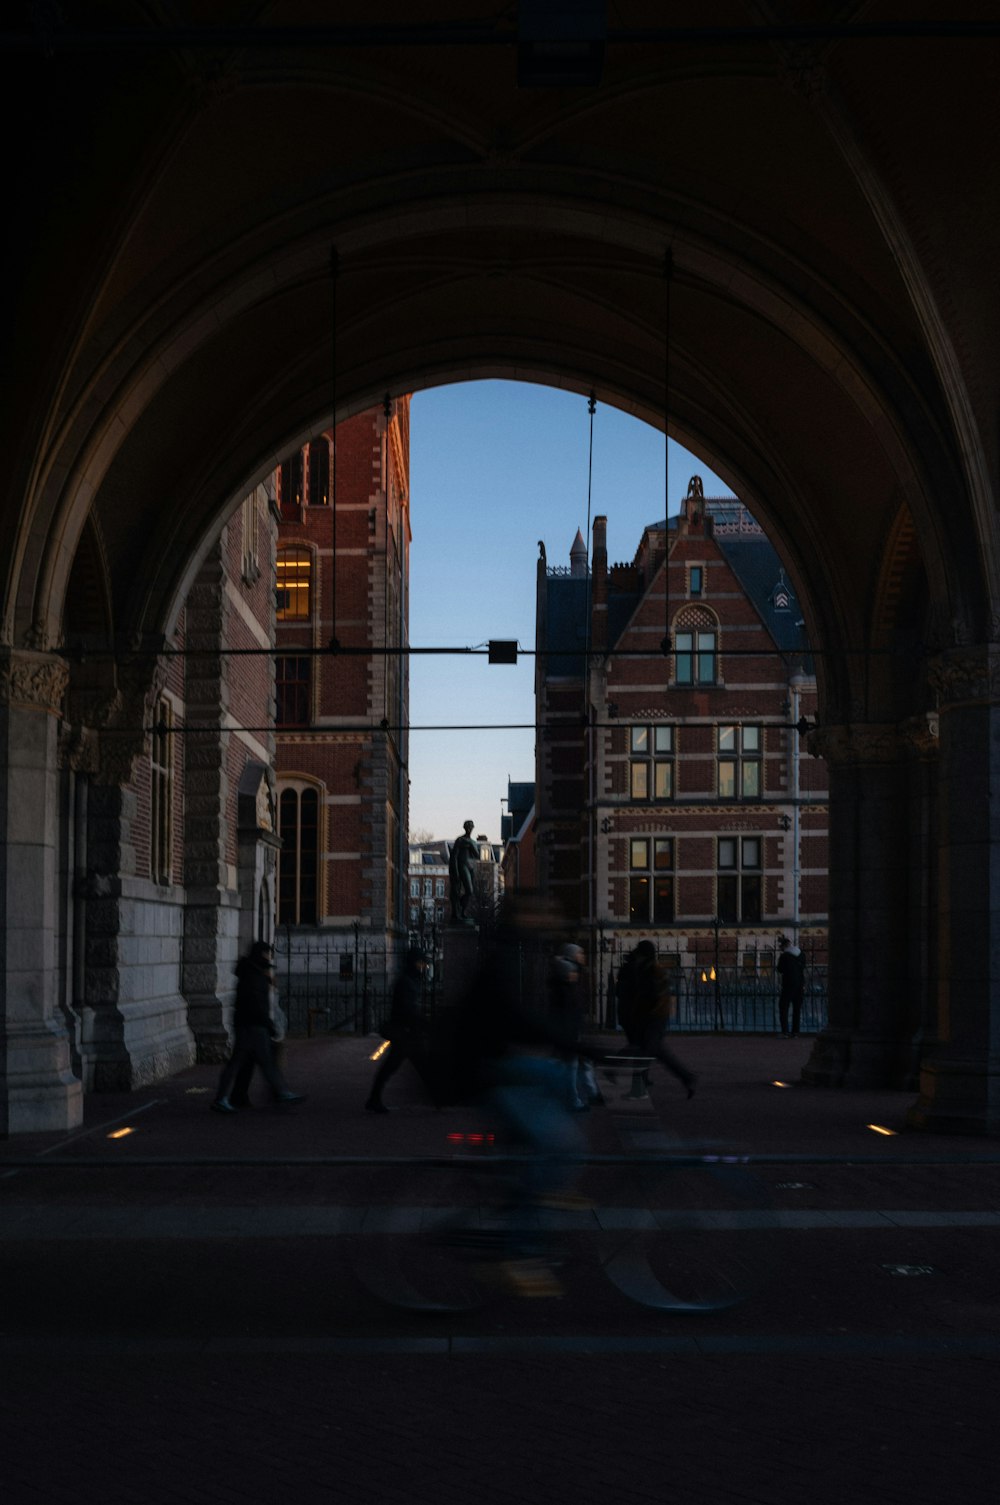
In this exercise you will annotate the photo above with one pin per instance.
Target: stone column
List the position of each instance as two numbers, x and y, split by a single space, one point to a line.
212 910
868 876
960 1077
38 1090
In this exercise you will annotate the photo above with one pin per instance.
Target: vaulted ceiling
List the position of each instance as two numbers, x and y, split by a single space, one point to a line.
804 219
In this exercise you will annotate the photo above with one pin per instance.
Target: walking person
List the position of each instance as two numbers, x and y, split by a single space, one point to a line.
406 1026
568 1003
792 969
254 1030
646 1004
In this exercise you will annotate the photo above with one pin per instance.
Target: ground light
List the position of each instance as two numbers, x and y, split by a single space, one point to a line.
879 1129
781 1084
120 1133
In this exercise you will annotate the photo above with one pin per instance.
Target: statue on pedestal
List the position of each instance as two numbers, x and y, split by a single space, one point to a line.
464 853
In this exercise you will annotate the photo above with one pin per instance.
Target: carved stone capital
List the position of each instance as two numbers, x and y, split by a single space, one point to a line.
966 675
920 735
79 748
33 680
856 743
124 718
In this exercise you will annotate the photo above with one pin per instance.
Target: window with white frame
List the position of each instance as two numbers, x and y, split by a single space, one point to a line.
651 762
740 879
651 880
695 655
740 770
161 791
298 859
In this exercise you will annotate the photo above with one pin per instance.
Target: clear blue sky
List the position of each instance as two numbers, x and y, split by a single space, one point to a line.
494 467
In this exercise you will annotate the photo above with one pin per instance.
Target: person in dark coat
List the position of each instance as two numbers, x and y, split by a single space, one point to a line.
792 970
645 1008
254 1029
406 1026
568 1003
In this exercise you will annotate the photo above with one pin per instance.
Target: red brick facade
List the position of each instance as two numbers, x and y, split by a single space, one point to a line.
674 797
342 726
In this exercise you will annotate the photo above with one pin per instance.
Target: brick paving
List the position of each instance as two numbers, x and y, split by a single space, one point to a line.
231 1330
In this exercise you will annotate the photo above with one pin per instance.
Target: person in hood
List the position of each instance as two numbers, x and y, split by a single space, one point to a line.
792 970
254 1029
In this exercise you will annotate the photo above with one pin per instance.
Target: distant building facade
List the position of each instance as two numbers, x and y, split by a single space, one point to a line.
673 798
342 582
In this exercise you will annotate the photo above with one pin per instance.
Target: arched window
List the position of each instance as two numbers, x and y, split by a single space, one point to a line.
319 472
293 588
696 647
298 860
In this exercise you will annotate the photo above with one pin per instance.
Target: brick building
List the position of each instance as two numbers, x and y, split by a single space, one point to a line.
673 798
341 717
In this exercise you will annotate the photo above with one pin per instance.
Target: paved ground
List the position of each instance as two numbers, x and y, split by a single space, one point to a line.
264 1308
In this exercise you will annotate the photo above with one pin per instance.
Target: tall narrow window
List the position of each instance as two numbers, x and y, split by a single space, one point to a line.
696 579
651 763
291 689
291 487
695 655
740 771
740 879
161 780
319 472
298 861
293 585
651 880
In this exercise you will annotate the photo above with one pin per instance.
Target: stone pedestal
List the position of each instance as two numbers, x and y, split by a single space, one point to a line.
461 960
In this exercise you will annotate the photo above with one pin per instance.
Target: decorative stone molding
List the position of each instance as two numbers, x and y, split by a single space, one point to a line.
852 744
966 675
125 718
33 680
920 735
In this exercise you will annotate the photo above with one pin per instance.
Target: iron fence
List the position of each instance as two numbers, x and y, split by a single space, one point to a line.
328 984
341 983
739 995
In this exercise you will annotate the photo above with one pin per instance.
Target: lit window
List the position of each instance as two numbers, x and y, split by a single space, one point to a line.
292 588
695 654
651 763
298 859
651 880
740 879
739 763
161 780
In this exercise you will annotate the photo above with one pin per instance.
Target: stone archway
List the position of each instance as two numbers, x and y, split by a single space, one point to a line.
828 337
